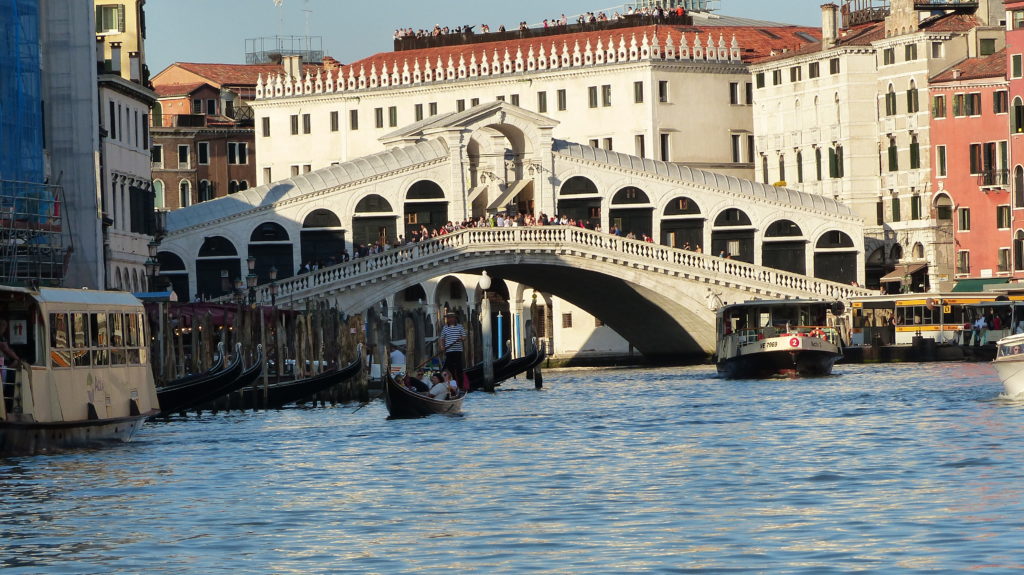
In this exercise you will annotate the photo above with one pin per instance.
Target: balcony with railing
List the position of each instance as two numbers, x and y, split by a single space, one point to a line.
964 5
243 118
994 178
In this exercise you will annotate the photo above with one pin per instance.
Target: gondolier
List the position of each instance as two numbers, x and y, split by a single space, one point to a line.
452 337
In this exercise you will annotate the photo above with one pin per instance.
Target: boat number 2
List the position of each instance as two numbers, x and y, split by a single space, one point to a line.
794 342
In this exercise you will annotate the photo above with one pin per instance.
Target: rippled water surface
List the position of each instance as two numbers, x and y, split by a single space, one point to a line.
880 469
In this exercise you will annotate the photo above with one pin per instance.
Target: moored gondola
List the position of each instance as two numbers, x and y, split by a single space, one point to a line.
404 403
285 392
507 369
187 392
245 379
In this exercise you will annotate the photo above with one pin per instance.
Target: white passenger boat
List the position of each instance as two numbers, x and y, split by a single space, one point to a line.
84 375
777 338
1009 363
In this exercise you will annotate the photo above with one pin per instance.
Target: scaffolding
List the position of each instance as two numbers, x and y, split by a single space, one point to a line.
271 49
34 242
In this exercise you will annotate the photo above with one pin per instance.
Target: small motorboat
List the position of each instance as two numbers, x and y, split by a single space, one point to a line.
1009 364
404 403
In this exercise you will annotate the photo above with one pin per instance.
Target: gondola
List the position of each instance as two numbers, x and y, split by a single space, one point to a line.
245 379
507 370
284 392
186 392
404 403
476 372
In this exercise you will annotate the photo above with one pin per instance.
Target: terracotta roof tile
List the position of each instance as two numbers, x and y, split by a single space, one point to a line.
862 35
165 90
237 74
754 43
993 66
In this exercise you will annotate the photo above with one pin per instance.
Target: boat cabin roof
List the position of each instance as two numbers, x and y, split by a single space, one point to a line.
767 303
50 298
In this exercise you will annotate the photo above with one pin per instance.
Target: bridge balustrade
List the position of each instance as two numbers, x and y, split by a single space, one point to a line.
397 260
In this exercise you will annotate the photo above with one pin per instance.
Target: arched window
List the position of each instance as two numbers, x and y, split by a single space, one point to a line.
373 203
205 191
243 185
890 101
232 187
630 195
1017 121
913 104
1018 187
577 185
184 194
158 194
425 190
800 167
782 167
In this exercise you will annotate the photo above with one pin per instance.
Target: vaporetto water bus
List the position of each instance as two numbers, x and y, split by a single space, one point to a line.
778 338
82 373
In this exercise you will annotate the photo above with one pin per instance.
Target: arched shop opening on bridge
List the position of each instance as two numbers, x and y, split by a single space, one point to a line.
323 238
579 199
373 222
682 224
425 206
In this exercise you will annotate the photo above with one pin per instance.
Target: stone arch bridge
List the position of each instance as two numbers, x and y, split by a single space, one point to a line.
659 298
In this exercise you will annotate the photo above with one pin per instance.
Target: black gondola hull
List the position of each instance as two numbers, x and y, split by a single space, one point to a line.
403 403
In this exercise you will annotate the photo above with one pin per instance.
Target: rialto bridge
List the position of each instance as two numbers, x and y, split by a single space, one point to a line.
498 157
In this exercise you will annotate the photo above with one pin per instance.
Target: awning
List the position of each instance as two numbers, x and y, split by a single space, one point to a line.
897 274
978 284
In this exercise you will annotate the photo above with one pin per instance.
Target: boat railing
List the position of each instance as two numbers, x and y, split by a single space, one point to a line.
746 336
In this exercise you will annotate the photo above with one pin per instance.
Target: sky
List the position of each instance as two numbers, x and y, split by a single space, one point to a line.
215 31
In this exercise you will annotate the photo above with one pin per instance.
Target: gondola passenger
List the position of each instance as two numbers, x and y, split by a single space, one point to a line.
438 388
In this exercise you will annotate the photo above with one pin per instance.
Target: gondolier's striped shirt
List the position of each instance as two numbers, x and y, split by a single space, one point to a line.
451 337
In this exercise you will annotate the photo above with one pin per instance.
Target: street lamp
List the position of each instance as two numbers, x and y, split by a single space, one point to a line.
273 286
239 290
250 281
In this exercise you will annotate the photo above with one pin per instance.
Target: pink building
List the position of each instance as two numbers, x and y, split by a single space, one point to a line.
1015 73
970 167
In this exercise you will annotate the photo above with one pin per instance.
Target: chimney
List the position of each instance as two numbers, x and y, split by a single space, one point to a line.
292 67
134 69
115 57
956 73
100 56
829 25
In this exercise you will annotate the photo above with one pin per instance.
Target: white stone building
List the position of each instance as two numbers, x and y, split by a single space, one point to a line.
673 93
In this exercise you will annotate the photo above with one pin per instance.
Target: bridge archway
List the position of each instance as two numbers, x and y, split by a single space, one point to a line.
784 247
579 199
631 212
835 257
217 267
682 224
373 221
321 236
425 205
497 150
172 268
270 245
733 235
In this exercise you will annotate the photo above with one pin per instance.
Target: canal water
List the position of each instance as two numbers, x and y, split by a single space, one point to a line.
899 468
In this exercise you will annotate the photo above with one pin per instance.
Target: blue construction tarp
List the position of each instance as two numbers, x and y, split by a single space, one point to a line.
21 116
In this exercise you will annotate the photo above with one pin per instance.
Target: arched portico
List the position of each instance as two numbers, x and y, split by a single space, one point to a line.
733 235
682 224
322 237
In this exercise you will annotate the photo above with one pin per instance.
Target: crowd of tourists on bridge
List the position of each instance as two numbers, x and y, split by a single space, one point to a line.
499 220
656 12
